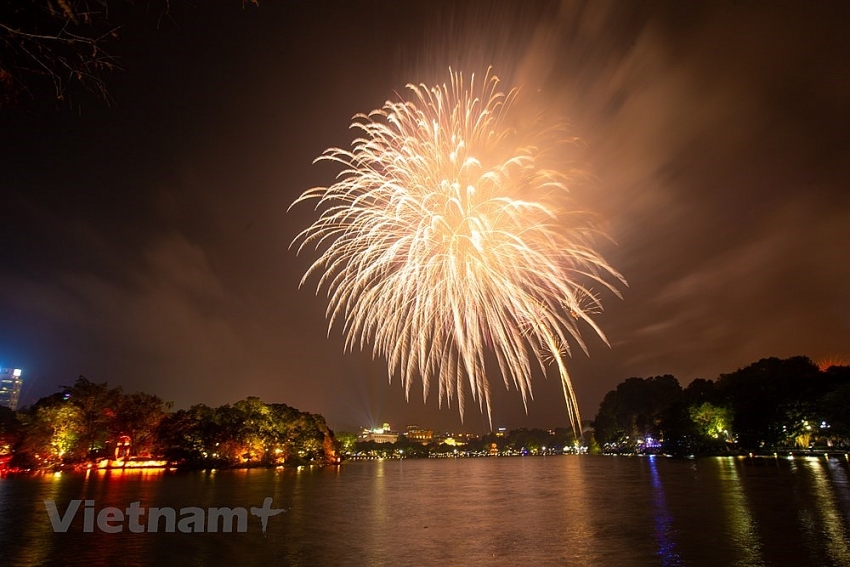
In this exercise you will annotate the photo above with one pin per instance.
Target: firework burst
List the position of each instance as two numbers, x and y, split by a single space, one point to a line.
828 362
449 246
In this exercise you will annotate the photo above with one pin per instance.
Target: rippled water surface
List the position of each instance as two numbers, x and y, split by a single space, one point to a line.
567 510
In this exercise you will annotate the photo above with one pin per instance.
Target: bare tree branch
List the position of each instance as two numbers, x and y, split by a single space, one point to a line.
64 43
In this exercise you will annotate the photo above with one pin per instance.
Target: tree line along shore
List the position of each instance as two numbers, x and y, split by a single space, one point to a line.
771 405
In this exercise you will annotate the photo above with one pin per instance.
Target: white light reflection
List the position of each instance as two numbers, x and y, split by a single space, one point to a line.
830 522
743 529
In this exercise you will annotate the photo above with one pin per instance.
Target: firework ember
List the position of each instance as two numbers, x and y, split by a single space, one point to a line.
449 244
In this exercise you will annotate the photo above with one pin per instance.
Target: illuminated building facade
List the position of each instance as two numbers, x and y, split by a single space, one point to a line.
379 434
416 433
10 387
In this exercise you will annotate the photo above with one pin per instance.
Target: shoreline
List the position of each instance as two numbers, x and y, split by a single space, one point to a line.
172 467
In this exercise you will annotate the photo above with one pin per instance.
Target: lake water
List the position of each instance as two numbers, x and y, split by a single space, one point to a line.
562 510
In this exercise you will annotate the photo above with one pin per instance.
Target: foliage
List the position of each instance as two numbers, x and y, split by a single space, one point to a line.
250 432
68 426
10 428
52 436
635 410
97 406
347 442
138 417
773 400
836 410
89 421
711 421
769 404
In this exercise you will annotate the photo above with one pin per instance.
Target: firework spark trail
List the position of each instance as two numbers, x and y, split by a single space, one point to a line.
445 238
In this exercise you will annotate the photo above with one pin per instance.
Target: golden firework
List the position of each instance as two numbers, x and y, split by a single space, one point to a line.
449 245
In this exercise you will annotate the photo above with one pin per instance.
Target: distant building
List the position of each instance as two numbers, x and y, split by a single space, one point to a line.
416 433
465 437
379 434
10 387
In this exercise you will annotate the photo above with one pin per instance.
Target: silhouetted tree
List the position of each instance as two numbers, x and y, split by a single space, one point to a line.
835 405
636 408
772 400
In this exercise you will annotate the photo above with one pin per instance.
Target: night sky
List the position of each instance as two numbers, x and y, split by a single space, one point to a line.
146 244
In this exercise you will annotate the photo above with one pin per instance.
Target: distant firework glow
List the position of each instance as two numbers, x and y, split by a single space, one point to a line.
450 246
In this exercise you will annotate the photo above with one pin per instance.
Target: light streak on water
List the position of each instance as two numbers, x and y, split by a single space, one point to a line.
829 522
743 528
664 531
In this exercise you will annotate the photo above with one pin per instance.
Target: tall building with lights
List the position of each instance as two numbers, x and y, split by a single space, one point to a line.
10 387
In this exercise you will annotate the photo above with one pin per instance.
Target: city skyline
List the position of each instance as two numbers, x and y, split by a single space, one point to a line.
146 244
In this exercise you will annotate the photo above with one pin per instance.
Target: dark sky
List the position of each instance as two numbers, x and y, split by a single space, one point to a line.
146 244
